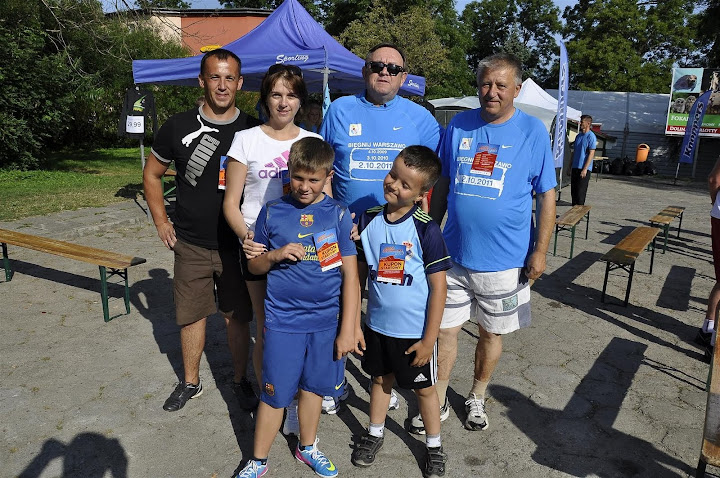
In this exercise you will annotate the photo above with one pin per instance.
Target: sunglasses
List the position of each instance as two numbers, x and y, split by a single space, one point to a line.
378 66
292 69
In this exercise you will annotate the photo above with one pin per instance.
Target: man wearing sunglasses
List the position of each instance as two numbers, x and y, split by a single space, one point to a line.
367 131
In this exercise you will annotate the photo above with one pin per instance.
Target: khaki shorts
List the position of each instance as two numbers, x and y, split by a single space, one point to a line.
499 301
198 271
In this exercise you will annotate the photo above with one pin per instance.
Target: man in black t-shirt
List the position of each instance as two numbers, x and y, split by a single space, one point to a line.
205 248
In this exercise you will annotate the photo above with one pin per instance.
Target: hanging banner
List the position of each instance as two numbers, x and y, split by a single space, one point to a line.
692 129
688 84
561 118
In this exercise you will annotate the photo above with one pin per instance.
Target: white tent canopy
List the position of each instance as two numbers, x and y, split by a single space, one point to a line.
532 100
616 110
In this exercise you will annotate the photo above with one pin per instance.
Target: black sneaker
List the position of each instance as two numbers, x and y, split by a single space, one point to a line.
245 394
435 461
703 338
364 453
182 393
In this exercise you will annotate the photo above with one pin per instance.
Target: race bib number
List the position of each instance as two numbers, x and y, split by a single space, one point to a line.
135 124
221 174
484 159
391 266
285 177
328 251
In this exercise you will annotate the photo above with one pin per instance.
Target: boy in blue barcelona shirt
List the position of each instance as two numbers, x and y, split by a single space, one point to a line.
407 259
303 343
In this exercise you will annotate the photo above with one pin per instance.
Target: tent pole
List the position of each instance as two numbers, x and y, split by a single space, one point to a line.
553 125
142 161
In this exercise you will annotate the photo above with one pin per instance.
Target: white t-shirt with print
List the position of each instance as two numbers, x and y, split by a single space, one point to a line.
264 157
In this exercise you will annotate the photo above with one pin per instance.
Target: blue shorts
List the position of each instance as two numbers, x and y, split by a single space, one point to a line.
304 360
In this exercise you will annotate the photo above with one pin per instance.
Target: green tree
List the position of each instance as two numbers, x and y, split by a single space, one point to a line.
37 87
626 45
709 34
414 30
429 34
64 69
525 28
172 4
311 6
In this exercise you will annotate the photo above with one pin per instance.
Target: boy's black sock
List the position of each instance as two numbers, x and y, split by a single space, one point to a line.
263 461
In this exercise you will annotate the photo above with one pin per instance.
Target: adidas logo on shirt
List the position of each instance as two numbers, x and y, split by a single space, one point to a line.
420 378
273 168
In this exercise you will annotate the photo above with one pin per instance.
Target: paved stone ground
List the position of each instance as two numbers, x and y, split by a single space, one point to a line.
590 389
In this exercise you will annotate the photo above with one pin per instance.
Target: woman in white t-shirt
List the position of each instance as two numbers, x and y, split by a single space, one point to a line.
256 160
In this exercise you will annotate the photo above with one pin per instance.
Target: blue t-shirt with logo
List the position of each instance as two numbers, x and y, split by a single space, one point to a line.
584 142
493 171
399 310
367 138
301 298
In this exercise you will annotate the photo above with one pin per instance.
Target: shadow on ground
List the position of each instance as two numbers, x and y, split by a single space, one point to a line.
153 298
580 439
89 455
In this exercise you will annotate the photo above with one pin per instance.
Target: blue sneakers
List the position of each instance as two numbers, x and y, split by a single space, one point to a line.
316 460
253 469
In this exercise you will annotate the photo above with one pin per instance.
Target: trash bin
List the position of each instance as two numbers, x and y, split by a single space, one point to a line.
642 153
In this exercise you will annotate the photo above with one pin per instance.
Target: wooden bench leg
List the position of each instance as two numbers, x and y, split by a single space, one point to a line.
124 274
104 290
630 277
652 255
104 293
680 225
607 271
587 224
6 263
700 471
667 230
572 241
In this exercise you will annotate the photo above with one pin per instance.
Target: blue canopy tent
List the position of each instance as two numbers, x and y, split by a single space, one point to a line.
289 35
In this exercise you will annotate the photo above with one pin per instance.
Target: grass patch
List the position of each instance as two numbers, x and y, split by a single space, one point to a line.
71 180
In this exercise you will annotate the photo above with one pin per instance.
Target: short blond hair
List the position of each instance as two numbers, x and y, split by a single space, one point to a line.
311 154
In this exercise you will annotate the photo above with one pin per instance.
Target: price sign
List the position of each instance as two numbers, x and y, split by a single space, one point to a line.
135 124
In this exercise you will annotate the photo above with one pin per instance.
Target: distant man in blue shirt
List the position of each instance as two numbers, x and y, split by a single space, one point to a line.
582 161
493 160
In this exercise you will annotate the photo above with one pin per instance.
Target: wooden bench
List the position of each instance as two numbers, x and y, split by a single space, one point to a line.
665 217
710 452
569 220
116 263
624 254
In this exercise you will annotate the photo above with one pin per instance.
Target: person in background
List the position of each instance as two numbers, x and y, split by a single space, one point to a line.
313 117
582 161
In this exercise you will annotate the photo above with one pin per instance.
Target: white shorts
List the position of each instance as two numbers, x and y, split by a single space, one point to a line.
499 301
